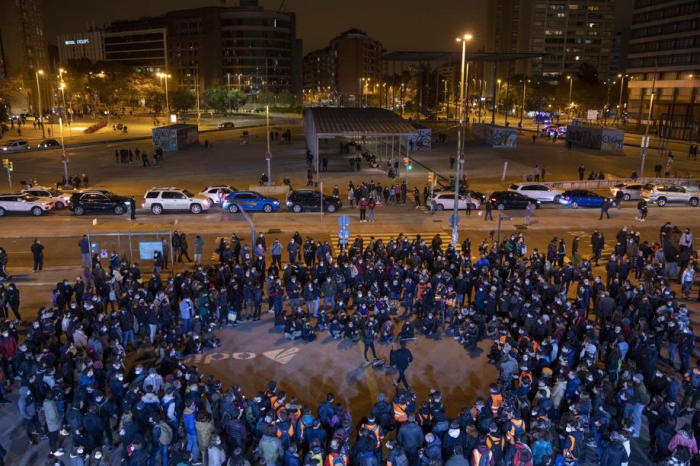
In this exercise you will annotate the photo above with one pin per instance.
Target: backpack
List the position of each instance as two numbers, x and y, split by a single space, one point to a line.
523 455
367 458
401 459
166 434
318 456
338 461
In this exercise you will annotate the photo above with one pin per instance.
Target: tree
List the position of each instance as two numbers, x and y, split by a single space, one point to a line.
182 100
156 100
238 98
217 97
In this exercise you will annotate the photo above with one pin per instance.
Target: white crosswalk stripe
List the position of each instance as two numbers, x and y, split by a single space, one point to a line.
385 237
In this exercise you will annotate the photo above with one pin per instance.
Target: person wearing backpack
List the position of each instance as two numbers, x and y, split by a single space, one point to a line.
397 455
691 383
161 436
335 457
573 445
315 453
496 443
519 454
482 455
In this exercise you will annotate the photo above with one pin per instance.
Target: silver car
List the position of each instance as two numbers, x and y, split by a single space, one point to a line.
630 191
661 194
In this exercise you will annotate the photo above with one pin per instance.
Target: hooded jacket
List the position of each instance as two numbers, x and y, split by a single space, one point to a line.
26 404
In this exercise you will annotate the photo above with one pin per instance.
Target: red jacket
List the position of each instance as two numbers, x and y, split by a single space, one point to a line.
8 347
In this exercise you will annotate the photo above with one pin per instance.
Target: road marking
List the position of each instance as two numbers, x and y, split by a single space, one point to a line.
243 356
282 356
369 375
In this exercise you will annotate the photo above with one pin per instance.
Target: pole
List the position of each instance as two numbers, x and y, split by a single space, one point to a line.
571 89
64 157
460 145
41 110
167 100
618 114
646 131
522 104
9 178
269 152
507 97
196 88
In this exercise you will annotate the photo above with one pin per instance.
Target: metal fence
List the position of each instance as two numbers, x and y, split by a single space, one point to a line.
609 182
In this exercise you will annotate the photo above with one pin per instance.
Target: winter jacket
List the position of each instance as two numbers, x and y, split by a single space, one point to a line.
205 429
27 409
53 422
614 454
271 450
217 456
188 417
410 437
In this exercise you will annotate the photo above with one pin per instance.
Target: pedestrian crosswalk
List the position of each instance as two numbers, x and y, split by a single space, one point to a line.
427 236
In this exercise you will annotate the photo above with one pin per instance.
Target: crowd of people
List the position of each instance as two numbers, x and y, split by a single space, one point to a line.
583 359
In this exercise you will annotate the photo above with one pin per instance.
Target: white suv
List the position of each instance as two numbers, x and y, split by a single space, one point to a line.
25 203
540 192
60 199
161 199
662 194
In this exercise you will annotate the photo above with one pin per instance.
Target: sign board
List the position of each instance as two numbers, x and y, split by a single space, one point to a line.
592 114
645 141
103 254
147 248
454 220
344 221
94 248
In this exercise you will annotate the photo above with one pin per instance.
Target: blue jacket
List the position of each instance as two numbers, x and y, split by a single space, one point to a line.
189 419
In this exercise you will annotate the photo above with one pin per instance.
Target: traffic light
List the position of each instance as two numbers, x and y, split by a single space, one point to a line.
410 165
407 162
10 168
5 163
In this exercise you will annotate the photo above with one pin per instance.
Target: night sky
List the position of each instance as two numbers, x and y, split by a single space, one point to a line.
430 25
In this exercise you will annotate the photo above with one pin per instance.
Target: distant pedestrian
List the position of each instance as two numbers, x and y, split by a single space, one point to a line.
544 172
351 196
643 209
468 202
489 211
657 170
537 173
604 209
363 210
528 213
38 254
309 177
534 138
619 195
84 246
581 170
371 206
416 196
324 162
452 162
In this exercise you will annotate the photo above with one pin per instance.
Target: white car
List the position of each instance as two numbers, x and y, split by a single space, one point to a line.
446 201
212 193
24 203
540 192
60 199
16 145
158 200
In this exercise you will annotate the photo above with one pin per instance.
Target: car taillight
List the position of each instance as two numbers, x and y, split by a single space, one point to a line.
144 200
567 198
493 199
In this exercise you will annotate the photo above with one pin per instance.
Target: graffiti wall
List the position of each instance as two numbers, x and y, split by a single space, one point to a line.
175 137
498 137
593 137
423 140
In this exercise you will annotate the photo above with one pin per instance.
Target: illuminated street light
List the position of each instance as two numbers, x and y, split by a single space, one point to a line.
38 93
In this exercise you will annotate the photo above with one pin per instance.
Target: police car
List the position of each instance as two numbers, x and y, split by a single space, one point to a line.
250 201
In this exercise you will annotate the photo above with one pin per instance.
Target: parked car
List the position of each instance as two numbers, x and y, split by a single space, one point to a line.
217 192
226 125
47 143
463 191
86 201
503 200
630 191
576 198
16 145
661 194
309 200
60 199
250 201
540 192
446 201
24 203
158 200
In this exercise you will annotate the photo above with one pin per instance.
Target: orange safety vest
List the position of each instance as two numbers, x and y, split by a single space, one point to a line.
526 375
569 452
496 402
476 456
290 431
510 435
451 300
423 418
475 414
494 441
399 412
376 432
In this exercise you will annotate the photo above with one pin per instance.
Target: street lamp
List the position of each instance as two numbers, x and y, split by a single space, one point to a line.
64 158
166 76
522 105
645 141
571 88
460 137
498 93
41 110
618 114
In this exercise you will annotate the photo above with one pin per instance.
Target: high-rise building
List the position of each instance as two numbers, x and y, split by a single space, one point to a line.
23 49
140 43
569 32
319 72
81 46
357 64
663 55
